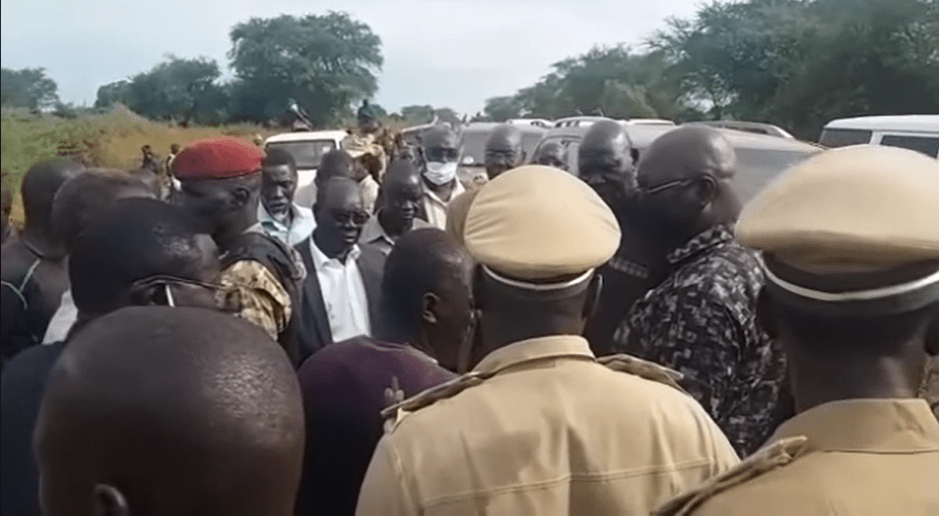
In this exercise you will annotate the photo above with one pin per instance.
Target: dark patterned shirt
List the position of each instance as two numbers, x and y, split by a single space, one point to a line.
701 321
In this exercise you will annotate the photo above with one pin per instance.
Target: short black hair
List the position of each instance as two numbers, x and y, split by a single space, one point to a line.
132 239
324 190
277 157
82 198
334 163
419 263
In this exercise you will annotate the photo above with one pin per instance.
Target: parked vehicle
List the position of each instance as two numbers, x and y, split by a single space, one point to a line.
748 127
760 158
538 122
916 132
307 149
472 157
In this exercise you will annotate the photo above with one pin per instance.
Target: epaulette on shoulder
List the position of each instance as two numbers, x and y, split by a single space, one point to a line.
395 413
770 457
643 369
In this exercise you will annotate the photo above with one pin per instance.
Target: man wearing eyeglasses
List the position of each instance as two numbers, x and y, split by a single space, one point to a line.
701 319
441 185
503 153
342 286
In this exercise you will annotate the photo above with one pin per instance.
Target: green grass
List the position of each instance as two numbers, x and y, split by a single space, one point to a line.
111 140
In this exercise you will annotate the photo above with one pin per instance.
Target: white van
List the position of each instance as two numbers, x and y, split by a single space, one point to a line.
916 132
307 149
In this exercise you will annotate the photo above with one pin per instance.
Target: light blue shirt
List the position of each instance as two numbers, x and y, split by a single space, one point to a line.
301 226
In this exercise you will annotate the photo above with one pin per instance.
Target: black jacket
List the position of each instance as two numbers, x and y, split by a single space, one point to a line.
313 331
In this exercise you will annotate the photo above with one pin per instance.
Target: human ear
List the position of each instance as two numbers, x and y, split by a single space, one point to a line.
429 303
705 190
152 294
109 501
241 196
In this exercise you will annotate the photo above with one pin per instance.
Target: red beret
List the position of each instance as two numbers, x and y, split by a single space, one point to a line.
217 158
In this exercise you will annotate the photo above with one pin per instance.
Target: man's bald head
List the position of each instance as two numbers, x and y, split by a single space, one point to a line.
335 163
439 136
165 411
685 177
685 153
402 190
551 154
606 161
82 199
40 185
427 294
504 150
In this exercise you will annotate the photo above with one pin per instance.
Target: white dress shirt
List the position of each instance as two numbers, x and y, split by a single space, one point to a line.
62 320
301 225
344 294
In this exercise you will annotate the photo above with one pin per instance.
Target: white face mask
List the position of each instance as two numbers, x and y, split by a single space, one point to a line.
440 173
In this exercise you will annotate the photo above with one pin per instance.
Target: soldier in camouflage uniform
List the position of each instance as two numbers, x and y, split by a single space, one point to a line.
701 320
221 184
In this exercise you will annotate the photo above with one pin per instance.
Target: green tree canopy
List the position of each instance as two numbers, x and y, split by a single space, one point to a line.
327 63
27 88
801 63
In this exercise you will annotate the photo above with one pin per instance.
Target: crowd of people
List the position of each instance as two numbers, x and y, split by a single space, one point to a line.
627 341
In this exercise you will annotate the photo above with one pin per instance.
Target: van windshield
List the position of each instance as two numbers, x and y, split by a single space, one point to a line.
842 137
306 153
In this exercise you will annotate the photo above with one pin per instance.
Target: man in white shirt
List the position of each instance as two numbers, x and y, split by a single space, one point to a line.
280 217
341 290
440 182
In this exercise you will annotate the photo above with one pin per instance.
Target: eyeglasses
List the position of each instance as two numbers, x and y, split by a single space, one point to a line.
166 280
652 190
358 218
441 154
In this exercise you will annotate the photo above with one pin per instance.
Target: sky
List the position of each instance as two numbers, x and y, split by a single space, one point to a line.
453 53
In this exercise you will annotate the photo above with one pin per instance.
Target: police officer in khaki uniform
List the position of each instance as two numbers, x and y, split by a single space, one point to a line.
541 426
851 255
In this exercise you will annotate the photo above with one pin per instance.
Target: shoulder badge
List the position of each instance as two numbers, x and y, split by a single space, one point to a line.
643 368
395 413
770 457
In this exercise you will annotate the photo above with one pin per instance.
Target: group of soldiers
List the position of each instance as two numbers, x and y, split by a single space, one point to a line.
630 340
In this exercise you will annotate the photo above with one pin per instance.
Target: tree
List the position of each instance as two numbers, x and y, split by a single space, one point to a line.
183 89
113 93
28 88
801 63
500 109
418 114
612 81
327 63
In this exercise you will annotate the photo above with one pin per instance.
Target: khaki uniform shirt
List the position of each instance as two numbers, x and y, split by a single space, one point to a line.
253 293
859 457
547 431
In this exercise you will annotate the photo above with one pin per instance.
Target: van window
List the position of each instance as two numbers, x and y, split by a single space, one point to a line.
925 144
306 153
842 137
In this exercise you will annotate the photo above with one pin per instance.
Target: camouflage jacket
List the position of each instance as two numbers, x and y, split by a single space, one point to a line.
701 321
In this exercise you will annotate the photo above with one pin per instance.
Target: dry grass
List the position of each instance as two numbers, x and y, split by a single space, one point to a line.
110 140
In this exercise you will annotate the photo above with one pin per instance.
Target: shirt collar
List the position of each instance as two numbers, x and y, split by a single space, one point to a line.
373 231
872 425
457 190
707 239
265 217
320 259
555 346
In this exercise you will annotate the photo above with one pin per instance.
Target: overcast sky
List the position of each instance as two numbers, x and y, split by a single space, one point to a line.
452 53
